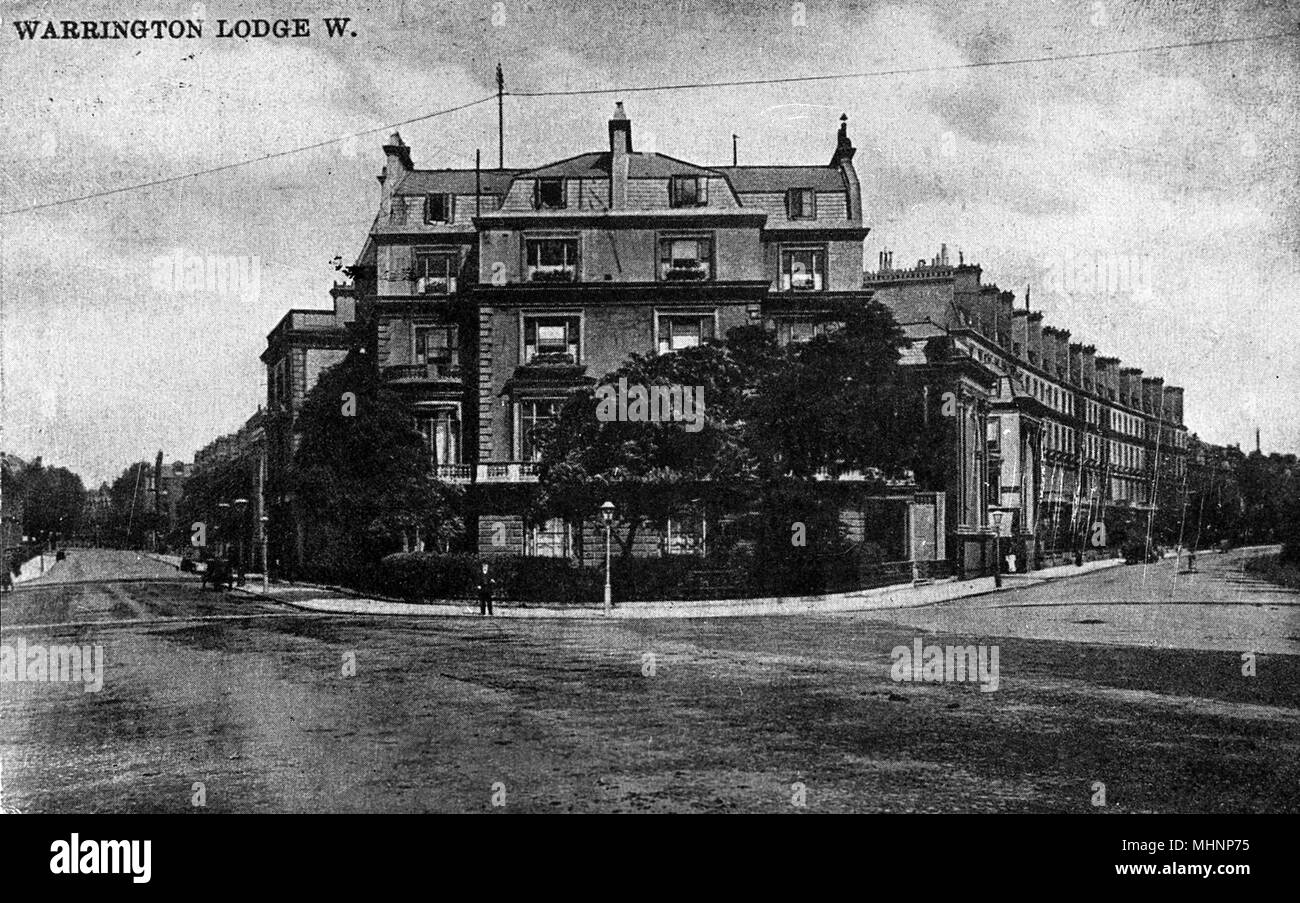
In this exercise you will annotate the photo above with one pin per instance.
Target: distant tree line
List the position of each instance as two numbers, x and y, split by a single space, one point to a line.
52 498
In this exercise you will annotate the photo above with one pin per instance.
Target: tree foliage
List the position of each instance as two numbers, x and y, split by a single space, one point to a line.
774 417
362 474
52 498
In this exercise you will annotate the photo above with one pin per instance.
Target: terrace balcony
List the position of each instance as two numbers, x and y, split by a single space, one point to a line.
454 473
508 472
434 372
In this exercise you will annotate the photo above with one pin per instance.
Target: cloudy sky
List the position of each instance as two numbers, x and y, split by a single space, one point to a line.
1173 173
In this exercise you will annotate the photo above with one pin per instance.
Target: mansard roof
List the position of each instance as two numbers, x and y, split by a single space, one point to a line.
454 181
596 166
755 179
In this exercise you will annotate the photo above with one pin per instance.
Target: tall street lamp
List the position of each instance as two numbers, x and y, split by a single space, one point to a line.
241 507
607 515
266 566
997 548
223 523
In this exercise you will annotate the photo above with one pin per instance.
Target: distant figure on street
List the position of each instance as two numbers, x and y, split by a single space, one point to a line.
237 565
485 592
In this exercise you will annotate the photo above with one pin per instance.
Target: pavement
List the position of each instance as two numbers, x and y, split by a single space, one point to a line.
35 567
337 601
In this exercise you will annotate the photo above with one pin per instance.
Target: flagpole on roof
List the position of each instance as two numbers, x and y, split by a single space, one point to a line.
501 119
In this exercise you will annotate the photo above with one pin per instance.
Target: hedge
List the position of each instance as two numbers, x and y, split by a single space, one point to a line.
558 581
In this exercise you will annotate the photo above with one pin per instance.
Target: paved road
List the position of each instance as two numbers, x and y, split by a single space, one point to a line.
273 710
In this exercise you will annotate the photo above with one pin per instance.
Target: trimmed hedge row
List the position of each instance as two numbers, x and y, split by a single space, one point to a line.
419 576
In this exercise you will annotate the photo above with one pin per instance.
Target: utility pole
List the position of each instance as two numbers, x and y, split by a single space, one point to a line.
734 138
501 119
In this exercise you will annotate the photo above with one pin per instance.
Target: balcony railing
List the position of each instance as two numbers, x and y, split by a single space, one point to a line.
454 473
508 472
422 372
872 474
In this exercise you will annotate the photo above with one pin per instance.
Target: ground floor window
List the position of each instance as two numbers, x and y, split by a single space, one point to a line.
441 431
685 535
535 413
551 539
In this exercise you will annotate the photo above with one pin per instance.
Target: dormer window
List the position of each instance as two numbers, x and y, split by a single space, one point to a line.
548 194
439 208
688 191
801 203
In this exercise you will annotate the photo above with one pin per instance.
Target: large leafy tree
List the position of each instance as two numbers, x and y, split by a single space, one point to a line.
132 519
53 498
649 470
362 473
774 418
839 400
213 486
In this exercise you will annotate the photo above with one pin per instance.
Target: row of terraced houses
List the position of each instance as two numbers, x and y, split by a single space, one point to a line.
486 297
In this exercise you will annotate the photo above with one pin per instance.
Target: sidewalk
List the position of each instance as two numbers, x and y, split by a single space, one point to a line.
337 601
33 567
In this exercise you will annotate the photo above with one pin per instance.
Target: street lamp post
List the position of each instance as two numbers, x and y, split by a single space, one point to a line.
241 506
997 548
223 522
266 565
607 515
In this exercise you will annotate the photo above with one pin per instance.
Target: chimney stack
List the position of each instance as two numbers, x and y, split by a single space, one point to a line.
1174 408
398 164
620 147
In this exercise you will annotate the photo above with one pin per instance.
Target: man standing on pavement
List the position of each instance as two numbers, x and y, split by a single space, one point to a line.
485 592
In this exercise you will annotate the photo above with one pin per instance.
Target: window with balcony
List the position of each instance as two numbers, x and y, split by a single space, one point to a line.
684 330
439 208
803 269
441 431
435 272
552 339
552 259
548 194
685 258
436 349
688 191
801 203
534 414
